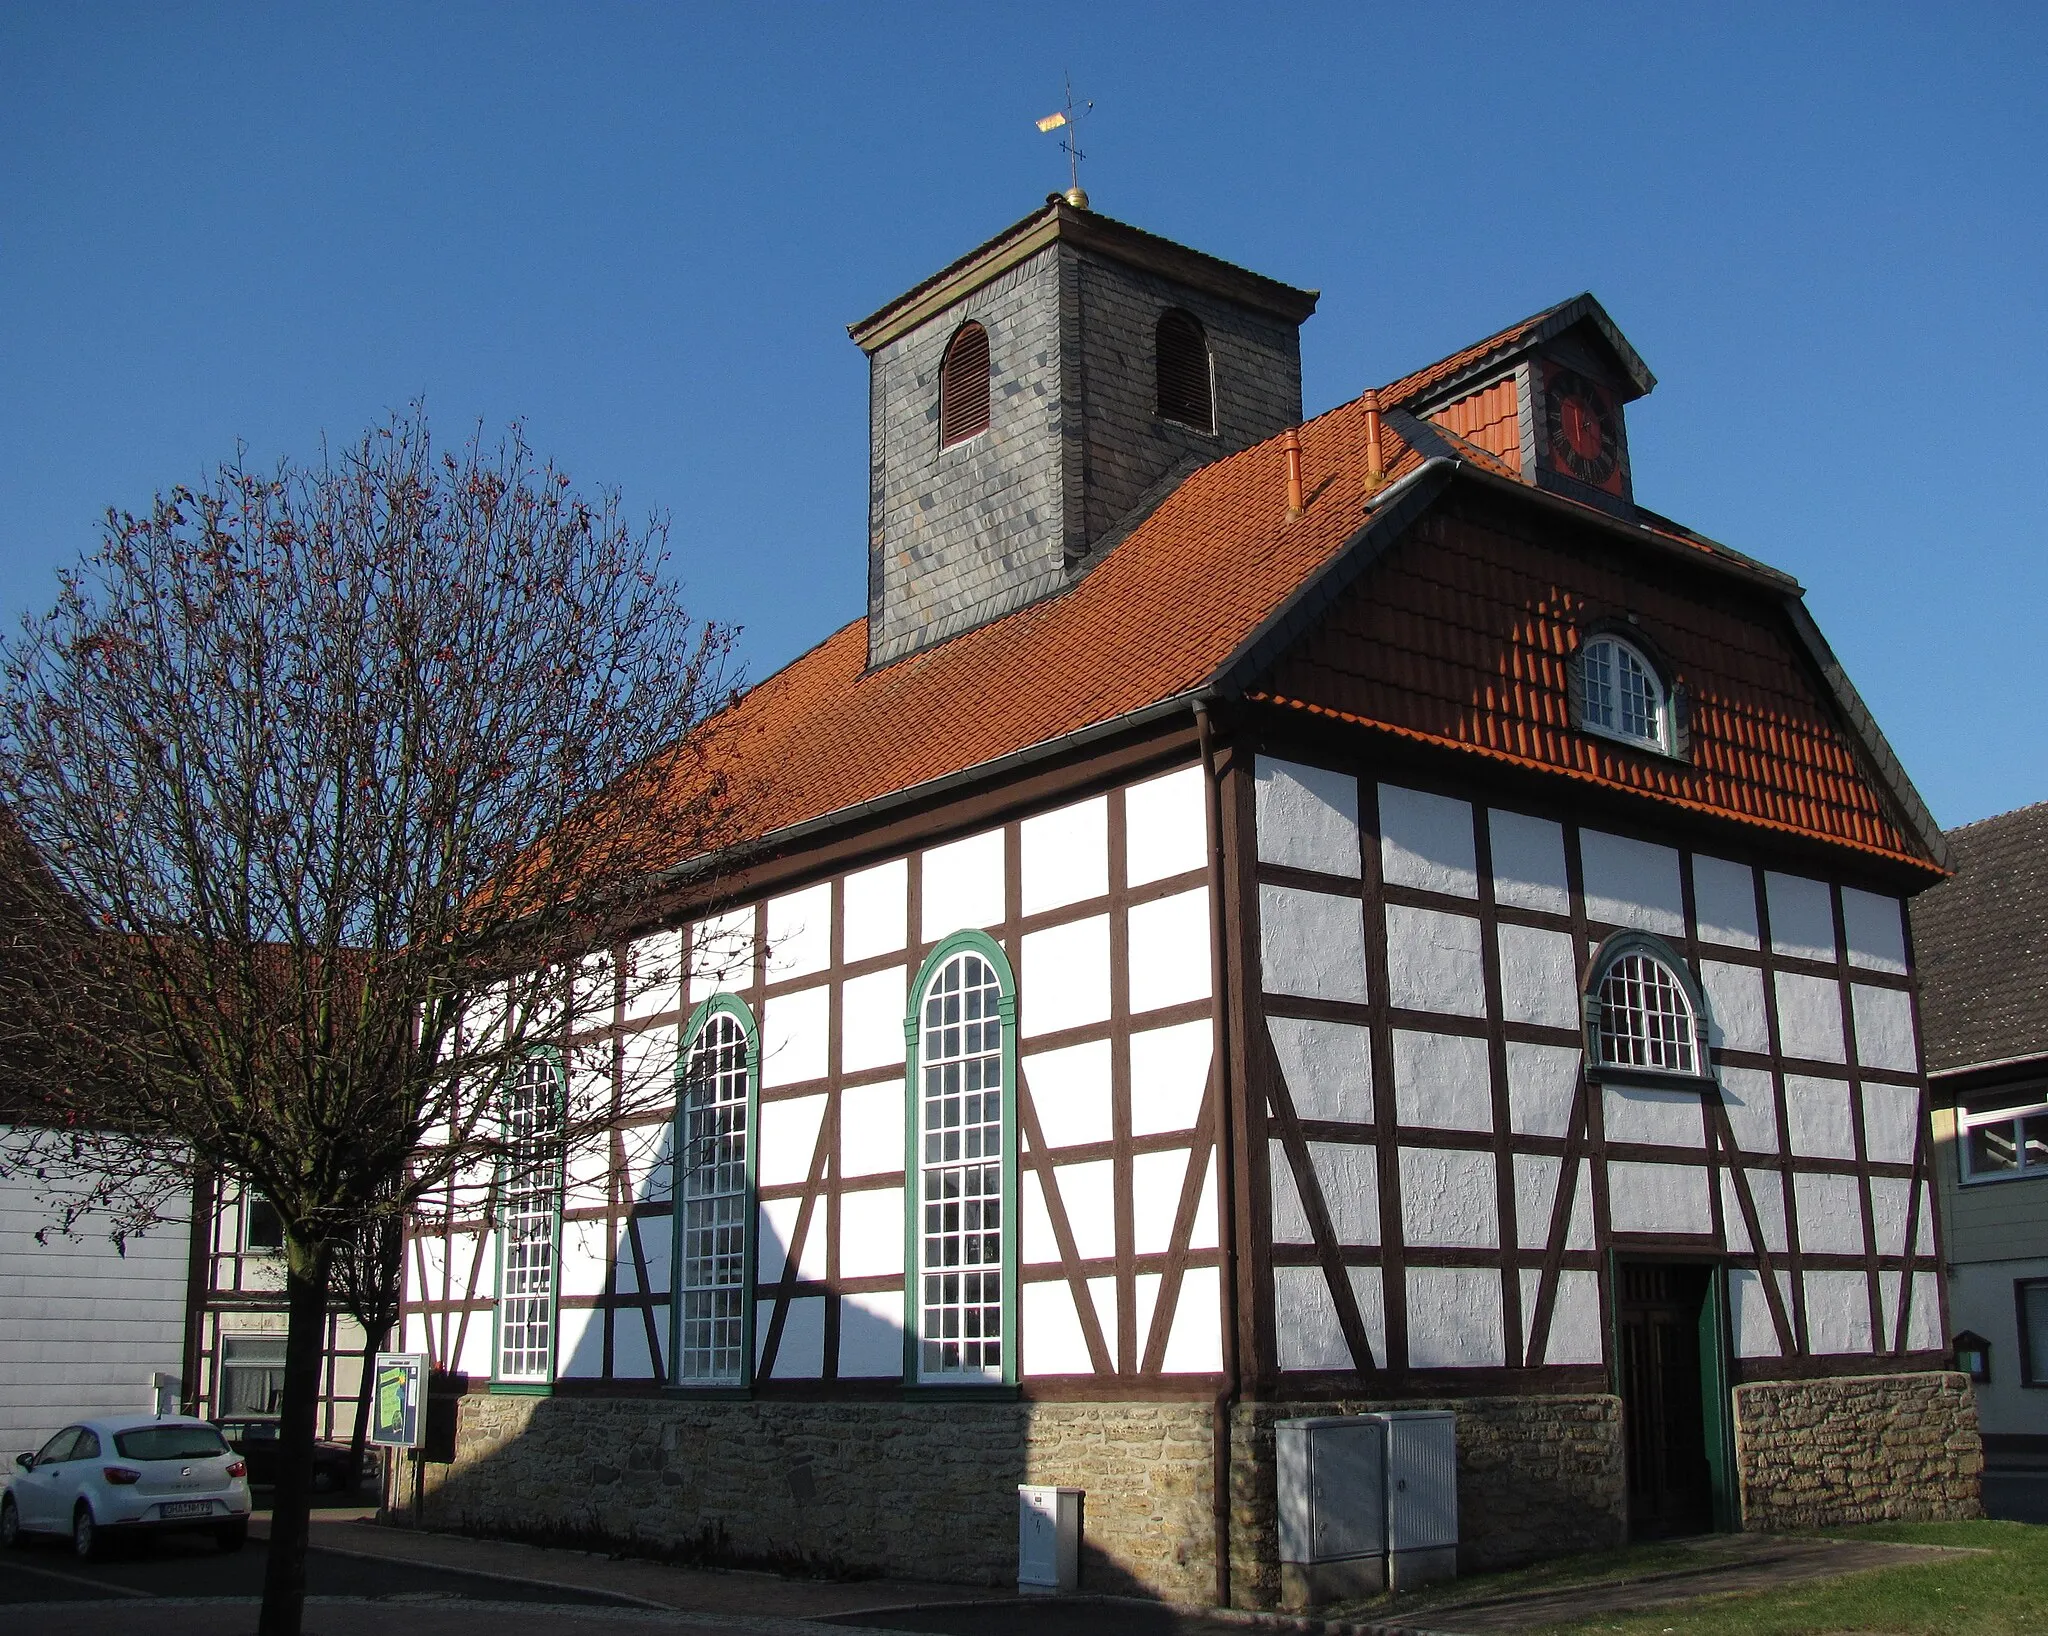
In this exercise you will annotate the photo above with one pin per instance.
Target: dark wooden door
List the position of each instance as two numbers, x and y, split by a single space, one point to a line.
1670 1486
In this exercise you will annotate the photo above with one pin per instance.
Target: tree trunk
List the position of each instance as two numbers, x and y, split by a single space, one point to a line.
373 1343
284 1575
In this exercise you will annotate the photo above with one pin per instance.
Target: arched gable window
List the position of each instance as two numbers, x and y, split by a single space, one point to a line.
1644 1012
1186 384
963 386
1620 693
963 1068
717 1096
530 1220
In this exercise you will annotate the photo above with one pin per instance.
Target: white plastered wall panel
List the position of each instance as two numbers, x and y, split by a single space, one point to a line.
1578 1333
1307 817
631 1358
1652 1115
1305 1318
871 1335
1063 855
801 1354
800 932
1088 1191
1809 1016
775 1230
1735 1007
1535 1197
587 1175
1070 1093
1063 976
1767 1188
1426 842
1817 1117
1157 1180
871 1233
871 1020
1724 902
1288 1223
1327 1067
1053 1340
1653 1198
721 954
1348 1176
1194 1346
1837 1312
1312 944
789 1140
871 1129
1883 1019
1756 1333
1166 826
795 1032
579 1342
963 885
1169 1077
1631 883
1543 1084
1443 1081
876 910
1830 1214
1040 1246
1539 978
1170 951
585 1257
1876 930
1454 1318
1891 1197
1433 961
1448 1199
1528 863
1891 1122
1750 1096
653 975
1923 1322
1802 916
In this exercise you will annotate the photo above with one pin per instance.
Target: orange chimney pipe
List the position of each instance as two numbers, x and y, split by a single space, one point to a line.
1290 445
1375 465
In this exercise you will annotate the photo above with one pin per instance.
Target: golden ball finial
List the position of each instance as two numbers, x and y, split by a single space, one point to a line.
1077 198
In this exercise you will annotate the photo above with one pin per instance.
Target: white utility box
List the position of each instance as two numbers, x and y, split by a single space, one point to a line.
1368 1502
1048 1539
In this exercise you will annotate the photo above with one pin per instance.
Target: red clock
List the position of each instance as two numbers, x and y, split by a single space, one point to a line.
1582 430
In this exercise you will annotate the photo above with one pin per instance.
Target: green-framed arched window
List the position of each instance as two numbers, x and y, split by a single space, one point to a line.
1645 1011
718 1099
961 1167
530 1221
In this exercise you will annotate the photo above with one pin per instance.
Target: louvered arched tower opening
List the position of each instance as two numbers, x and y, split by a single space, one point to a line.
963 386
1181 352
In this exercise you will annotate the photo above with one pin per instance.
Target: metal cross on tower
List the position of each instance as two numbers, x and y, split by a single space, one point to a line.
1068 119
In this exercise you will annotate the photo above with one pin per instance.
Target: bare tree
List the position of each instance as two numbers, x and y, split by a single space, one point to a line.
317 761
365 1283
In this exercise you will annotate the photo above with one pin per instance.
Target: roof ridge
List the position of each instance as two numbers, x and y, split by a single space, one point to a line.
2000 817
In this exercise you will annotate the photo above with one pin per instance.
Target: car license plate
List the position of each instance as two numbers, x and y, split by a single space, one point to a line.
188 1508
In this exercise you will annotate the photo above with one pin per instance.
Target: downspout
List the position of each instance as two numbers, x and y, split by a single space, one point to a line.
1226 1181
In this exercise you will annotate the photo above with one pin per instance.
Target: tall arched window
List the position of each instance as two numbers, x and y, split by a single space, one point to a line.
716 1097
964 1065
1181 356
530 1220
1620 694
963 386
1644 1013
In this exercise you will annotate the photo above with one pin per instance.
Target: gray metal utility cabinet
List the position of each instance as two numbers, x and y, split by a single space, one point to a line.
1368 1502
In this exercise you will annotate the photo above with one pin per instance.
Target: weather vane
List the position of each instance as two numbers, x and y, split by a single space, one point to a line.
1068 118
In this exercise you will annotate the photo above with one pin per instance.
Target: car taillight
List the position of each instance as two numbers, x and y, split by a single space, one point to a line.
236 1468
122 1475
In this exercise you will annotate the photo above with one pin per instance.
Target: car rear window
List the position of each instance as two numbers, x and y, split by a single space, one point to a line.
170 1443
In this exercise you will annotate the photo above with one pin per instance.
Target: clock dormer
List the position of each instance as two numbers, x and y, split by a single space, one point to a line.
1549 401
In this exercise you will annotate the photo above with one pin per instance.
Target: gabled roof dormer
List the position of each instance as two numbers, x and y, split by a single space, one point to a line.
1544 397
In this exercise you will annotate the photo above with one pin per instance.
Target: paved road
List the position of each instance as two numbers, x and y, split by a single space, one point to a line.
186 1566
2016 1494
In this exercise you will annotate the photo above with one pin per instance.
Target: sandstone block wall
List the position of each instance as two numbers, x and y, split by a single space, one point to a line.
924 1490
1537 1476
1867 1448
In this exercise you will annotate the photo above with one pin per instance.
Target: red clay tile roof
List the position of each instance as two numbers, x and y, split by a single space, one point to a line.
1168 606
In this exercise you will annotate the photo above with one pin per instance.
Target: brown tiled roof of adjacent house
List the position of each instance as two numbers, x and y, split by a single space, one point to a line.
1190 587
1980 942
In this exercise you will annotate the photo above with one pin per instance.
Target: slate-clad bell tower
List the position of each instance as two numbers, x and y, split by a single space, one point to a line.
1116 363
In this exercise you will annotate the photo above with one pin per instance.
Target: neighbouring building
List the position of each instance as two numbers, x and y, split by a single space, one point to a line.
1982 946
1257 919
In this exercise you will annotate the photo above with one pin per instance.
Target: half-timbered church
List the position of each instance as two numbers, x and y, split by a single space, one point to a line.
1258 918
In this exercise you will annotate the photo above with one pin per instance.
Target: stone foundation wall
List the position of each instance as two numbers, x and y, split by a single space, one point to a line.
1537 1476
1867 1448
923 1490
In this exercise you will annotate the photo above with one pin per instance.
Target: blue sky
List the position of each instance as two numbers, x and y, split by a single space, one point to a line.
642 229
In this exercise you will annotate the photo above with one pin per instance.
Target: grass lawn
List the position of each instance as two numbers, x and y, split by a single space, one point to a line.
2004 1590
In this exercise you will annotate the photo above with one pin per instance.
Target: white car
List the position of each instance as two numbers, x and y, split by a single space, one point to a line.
128 1474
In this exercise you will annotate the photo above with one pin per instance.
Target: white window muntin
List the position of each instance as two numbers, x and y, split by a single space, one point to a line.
529 1214
1642 1014
1620 694
711 1198
2004 1144
962 1114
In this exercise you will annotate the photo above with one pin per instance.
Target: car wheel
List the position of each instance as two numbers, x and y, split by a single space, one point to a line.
85 1534
232 1536
323 1480
10 1524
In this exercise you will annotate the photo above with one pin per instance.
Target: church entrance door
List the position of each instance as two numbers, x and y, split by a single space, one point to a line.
1671 1357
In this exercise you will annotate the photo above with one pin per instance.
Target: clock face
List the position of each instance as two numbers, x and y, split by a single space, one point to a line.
1583 430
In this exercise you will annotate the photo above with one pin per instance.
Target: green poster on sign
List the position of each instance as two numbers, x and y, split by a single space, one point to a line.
398 1391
